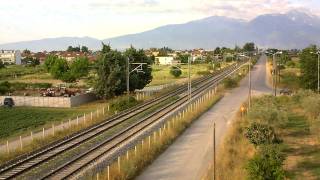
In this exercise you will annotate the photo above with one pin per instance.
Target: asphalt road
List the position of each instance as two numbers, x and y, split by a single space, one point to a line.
190 155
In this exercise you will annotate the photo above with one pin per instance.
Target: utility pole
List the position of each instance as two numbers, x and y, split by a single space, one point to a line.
249 98
318 53
214 151
274 74
128 76
138 69
189 80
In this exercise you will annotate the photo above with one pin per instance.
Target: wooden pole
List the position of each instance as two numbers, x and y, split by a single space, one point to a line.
119 164
8 150
43 133
108 172
31 135
214 151
21 143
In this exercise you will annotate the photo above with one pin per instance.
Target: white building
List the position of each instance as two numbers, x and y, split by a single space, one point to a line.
10 56
167 60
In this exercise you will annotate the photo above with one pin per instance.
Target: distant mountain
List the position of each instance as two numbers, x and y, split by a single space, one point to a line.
295 29
51 44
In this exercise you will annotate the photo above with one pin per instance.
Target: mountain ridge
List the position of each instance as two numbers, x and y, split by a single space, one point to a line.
294 29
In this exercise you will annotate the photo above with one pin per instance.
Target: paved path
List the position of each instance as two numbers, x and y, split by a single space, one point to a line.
190 155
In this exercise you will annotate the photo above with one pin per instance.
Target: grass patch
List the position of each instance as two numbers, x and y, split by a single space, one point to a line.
297 126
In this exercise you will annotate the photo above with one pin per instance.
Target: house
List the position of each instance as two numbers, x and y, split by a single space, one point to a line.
71 56
165 60
10 56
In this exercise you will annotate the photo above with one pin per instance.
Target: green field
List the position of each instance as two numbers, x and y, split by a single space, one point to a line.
161 74
19 120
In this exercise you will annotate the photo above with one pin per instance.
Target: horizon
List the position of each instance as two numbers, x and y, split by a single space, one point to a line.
116 18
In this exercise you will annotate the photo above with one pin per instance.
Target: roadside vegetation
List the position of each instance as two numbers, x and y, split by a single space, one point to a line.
278 138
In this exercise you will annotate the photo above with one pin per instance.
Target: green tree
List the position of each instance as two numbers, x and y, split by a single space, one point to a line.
217 50
79 68
249 47
259 134
175 71
266 164
111 70
308 67
50 60
26 51
84 49
183 58
73 49
138 80
2 65
59 67
30 61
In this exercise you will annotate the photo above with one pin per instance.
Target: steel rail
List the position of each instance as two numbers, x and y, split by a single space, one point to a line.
30 160
103 146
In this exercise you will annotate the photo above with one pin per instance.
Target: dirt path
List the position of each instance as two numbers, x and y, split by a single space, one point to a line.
190 155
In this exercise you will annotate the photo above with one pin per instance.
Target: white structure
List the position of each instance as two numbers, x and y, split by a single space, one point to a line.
168 60
10 56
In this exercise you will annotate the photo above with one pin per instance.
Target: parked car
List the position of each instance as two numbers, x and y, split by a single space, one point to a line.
8 102
285 91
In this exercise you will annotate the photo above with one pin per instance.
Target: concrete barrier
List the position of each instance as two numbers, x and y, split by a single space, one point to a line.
50 101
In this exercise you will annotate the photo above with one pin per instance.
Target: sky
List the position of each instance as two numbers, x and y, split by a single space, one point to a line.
22 20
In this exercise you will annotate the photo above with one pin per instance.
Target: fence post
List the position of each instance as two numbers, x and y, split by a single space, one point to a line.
84 118
128 155
119 163
77 120
31 134
149 142
53 129
8 150
108 108
91 116
108 173
43 133
21 143
97 176
154 137
142 144
135 150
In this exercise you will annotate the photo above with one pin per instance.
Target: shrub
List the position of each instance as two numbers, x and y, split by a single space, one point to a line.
265 110
175 71
230 83
266 164
311 105
259 134
124 103
4 87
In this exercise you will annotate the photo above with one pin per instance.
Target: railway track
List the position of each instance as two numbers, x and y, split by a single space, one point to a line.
30 161
66 170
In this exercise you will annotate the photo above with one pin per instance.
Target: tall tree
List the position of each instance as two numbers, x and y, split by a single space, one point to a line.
138 80
111 70
308 67
249 47
80 67
217 50
84 49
